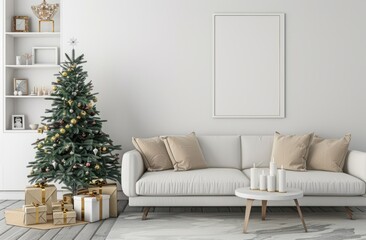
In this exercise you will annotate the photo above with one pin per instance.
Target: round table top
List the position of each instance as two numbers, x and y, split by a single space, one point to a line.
290 194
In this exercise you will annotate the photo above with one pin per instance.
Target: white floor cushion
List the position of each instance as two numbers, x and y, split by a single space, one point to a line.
315 183
209 181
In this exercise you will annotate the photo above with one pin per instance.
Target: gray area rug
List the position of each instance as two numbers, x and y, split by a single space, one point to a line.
194 226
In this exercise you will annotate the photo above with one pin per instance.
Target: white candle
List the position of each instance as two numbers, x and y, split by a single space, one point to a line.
272 168
263 182
254 185
281 180
271 183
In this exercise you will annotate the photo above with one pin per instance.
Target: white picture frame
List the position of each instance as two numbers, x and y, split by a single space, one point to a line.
45 55
248 65
17 122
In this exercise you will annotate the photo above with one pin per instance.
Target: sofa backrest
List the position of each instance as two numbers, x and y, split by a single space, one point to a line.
256 149
221 151
236 151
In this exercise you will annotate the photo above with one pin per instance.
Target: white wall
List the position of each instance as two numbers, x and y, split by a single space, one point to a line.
151 61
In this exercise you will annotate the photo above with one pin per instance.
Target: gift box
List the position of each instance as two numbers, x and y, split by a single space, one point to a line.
110 189
14 216
91 207
64 217
35 214
61 205
41 194
67 197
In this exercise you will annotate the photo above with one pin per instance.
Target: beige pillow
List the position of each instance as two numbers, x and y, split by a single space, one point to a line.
328 154
291 151
153 152
185 152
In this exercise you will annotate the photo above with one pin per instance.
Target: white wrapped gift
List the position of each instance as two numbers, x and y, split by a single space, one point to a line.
91 207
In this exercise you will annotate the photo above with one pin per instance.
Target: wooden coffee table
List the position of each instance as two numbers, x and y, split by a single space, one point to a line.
251 195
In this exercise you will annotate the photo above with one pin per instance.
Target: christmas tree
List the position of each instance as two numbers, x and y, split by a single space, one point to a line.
75 150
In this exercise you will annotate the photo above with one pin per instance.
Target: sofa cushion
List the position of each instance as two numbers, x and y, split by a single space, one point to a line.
153 153
221 151
291 151
256 149
185 152
315 183
328 154
209 181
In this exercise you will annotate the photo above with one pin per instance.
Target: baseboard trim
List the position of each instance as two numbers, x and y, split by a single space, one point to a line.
19 194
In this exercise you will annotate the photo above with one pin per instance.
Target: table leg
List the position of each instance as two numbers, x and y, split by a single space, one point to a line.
264 209
300 214
247 214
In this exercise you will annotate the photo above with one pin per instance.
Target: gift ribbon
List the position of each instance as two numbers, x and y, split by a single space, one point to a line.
65 216
62 203
100 184
42 186
36 205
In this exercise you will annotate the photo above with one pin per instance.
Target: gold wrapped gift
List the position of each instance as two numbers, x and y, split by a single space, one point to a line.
61 205
35 214
64 217
41 194
102 187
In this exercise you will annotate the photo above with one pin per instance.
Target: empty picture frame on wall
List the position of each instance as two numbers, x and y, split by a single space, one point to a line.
45 55
249 65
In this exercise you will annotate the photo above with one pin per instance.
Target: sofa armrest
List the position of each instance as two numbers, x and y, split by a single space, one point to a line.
132 169
355 164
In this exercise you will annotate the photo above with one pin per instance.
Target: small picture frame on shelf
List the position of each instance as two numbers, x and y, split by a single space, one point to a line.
20 24
45 55
20 86
17 122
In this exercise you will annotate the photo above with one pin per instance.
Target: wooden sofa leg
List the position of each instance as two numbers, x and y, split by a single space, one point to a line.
145 212
349 212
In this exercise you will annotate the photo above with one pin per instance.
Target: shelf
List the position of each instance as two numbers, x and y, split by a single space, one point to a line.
34 66
33 34
28 96
20 131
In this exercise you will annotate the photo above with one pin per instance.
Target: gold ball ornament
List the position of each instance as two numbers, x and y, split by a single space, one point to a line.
67 126
73 121
54 88
83 113
104 149
90 105
62 130
78 117
53 138
57 135
39 145
45 128
64 74
70 102
97 167
58 80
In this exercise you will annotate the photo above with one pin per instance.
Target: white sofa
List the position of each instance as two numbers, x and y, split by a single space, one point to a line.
229 159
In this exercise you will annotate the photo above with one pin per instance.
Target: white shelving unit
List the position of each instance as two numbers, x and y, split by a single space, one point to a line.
39 75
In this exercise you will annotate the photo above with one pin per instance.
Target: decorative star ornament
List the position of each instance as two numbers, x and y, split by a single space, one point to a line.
73 42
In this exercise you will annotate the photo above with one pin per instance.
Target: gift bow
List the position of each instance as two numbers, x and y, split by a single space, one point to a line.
99 182
40 184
